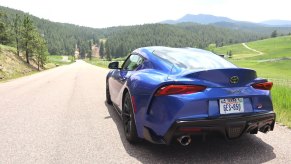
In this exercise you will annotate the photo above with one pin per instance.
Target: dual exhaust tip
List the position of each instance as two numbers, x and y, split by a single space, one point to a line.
184 140
265 129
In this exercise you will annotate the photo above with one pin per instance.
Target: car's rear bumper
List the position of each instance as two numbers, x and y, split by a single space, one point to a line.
231 127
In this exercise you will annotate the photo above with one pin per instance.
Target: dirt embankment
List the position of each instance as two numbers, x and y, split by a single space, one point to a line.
12 66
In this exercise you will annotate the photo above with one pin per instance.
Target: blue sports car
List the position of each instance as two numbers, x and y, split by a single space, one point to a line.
164 94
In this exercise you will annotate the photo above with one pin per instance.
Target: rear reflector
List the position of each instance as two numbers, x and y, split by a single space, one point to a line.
263 86
133 104
190 129
179 89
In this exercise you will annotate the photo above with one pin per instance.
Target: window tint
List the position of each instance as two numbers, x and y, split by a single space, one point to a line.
132 62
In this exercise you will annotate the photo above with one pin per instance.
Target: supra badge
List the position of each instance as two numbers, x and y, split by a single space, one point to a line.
234 80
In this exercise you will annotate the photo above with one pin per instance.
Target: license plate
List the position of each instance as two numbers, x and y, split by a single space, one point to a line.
233 105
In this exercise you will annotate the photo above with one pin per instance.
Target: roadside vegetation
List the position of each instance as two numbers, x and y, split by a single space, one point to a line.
103 63
13 66
274 64
23 49
56 60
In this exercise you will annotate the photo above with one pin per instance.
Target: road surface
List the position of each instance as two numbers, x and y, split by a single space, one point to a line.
247 47
60 116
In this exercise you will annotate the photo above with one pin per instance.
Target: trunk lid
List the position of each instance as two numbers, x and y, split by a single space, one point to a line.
230 77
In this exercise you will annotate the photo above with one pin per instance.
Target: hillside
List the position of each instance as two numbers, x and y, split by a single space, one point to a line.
181 35
62 38
263 28
272 48
274 63
286 23
12 66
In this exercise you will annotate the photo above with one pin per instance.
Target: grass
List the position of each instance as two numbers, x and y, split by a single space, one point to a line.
103 63
278 71
98 62
273 48
55 60
13 66
279 47
238 51
282 104
275 70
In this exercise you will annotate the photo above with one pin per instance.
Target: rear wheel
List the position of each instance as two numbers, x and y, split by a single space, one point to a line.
108 97
128 120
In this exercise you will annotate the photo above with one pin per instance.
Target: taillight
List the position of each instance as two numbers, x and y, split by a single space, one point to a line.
263 86
179 89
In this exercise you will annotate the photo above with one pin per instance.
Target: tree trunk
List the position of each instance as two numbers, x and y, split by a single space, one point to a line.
27 57
38 63
26 53
17 46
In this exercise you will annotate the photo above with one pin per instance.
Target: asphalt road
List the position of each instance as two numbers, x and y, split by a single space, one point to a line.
60 116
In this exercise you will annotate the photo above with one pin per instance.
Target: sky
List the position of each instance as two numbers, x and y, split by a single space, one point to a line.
107 13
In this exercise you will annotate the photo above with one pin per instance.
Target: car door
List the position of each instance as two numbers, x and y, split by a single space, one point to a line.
120 76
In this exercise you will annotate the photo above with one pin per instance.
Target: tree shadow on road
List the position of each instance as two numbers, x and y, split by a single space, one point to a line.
247 149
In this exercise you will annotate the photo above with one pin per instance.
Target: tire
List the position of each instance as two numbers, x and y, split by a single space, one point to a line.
128 120
108 97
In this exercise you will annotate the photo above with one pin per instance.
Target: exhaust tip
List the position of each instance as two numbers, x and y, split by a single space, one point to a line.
184 140
265 129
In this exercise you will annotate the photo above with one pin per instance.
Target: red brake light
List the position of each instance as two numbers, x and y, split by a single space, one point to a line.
263 86
179 89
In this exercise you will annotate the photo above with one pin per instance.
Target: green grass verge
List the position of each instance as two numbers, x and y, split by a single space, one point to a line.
103 63
98 62
282 104
55 60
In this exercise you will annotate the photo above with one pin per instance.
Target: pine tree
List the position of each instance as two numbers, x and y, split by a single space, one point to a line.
27 33
274 34
40 50
101 49
90 49
107 51
230 54
17 30
4 34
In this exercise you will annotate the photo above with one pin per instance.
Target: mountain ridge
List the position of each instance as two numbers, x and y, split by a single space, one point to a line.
212 19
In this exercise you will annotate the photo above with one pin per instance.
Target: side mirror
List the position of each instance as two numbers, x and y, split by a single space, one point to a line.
113 65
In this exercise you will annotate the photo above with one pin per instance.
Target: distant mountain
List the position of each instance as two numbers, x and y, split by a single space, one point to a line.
224 21
263 29
200 18
281 23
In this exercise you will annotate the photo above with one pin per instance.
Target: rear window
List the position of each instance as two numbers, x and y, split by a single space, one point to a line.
190 58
